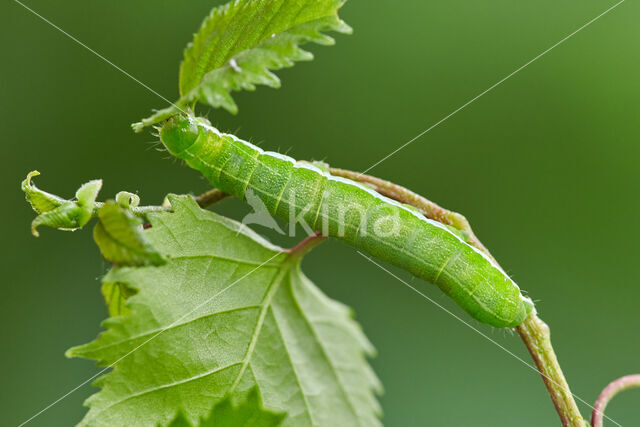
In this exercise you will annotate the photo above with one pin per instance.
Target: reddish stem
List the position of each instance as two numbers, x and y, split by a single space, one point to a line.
614 387
306 245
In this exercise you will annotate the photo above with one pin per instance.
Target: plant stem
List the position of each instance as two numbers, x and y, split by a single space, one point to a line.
136 210
306 245
206 199
534 332
614 387
537 338
210 197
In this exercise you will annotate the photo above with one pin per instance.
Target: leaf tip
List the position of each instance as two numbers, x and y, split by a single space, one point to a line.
343 27
26 183
137 127
88 192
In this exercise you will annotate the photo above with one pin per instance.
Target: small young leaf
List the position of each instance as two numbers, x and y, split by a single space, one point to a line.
226 414
68 217
228 312
240 43
115 295
87 193
40 201
59 213
127 200
120 237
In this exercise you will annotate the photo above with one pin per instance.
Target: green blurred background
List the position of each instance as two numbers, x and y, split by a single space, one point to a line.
545 166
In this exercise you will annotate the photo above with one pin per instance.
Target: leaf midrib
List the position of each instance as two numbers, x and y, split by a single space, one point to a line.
265 304
172 326
325 356
164 386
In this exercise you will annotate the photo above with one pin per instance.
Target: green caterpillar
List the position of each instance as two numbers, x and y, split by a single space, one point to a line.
338 207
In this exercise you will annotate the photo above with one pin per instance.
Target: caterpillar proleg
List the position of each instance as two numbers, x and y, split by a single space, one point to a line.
345 209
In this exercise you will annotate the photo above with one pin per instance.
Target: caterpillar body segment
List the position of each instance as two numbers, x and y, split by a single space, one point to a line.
347 210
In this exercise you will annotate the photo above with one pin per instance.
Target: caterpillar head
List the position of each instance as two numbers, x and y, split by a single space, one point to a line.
179 133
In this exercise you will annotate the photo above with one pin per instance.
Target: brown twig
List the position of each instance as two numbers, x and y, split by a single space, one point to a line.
306 245
210 197
428 208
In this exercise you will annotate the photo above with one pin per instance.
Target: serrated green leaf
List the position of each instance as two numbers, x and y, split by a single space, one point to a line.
249 413
228 312
120 237
241 43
